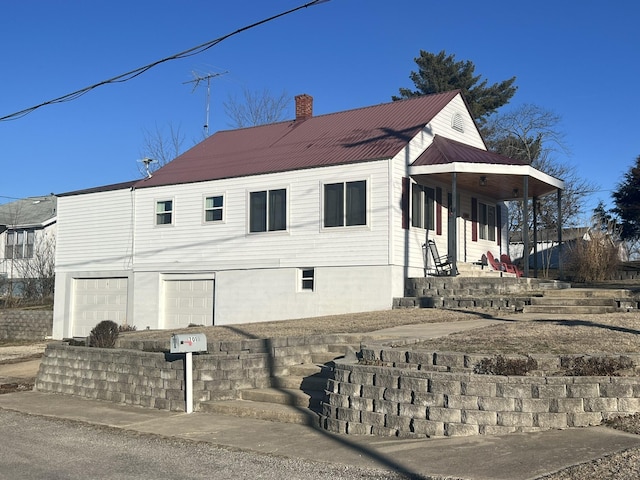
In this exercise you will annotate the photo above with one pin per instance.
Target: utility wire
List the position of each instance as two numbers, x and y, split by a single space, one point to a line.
139 71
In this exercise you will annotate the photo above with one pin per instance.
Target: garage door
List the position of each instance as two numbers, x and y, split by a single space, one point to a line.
188 302
97 299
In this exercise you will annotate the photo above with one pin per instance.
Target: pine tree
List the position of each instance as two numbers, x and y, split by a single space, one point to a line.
441 72
627 201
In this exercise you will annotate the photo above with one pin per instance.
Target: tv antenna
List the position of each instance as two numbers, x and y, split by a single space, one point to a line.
146 161
197 78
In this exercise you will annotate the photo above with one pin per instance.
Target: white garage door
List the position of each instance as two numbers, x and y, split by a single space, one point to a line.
188 302
97 299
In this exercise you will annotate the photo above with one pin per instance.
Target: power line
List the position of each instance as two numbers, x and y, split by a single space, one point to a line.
139 71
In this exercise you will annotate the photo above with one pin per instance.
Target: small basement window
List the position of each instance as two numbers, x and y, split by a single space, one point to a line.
307 277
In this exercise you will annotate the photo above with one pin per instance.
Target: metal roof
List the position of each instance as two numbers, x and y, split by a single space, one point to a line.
444 150
359 135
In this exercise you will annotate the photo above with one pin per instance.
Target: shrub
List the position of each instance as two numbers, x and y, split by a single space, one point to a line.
104 334
595 366
594 260
500 365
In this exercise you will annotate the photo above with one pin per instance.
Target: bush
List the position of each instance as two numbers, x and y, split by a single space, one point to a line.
595 260
104 334
500 365
596 366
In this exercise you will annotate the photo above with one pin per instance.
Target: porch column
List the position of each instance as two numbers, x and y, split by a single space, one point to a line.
560 273
535 237
525 224
452 248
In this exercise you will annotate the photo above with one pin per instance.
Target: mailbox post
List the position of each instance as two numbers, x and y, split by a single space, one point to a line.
187 344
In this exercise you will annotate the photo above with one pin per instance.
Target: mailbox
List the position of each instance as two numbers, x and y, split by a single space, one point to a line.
187 343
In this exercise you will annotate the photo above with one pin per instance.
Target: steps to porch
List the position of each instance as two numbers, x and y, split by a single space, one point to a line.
295 395
582 301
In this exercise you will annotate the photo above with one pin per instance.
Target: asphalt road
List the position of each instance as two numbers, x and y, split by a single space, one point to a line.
34 447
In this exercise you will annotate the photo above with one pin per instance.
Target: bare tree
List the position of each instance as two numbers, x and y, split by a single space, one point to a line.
160 146
256 108
37 273
531 133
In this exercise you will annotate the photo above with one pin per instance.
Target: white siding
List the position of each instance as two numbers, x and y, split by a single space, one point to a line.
94 231
189 244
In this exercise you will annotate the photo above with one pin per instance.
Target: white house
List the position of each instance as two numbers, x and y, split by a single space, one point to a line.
27 239
319 215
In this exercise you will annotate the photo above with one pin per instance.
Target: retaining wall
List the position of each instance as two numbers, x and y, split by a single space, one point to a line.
25 324
419 393
156 379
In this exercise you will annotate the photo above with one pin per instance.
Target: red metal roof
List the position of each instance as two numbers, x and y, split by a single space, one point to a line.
360 135
444 150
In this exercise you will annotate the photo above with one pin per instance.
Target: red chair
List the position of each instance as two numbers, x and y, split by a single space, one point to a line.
495 264
509 265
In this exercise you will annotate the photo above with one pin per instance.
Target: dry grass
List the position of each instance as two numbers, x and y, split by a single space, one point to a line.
580 334
350 323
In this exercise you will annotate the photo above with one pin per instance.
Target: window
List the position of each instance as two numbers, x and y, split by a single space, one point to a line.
268 211
345 204
487 226
307 276
19 244
213 208
422 207
164 212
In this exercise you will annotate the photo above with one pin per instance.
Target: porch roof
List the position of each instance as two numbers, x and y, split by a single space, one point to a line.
503 176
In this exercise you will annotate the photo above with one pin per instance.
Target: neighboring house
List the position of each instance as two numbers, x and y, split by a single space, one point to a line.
547 252
27 233
316 216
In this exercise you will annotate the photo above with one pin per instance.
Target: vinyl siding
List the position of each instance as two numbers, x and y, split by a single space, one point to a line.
94 231
190 244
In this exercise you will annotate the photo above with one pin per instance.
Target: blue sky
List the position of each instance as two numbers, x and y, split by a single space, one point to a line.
577 59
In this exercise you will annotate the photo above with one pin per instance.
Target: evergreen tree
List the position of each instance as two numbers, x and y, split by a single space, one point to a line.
441 72
627 201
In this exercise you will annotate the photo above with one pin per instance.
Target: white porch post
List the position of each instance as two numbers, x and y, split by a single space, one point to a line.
525 224
453 225
560 273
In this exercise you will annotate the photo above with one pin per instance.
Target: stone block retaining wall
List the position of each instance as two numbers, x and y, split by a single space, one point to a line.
25 324
420 393
156 379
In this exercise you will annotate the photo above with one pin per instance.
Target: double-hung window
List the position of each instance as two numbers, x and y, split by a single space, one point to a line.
164 212
19 244
345 204
213 209
422 207
268 210
487 224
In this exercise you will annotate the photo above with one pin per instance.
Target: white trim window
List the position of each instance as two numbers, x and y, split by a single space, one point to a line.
422 206
164 212
268 210
345 204
214 209
487 222
307 279
19 244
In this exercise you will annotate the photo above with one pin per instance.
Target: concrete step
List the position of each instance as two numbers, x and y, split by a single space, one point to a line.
325 357
315 382
263 411
589 293
569 310
284 396
573 301
309 369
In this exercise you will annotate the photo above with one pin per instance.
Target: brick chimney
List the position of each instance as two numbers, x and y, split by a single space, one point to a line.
304 107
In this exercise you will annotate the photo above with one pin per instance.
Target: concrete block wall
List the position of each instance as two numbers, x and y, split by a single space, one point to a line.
16 324
417 393
156 379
